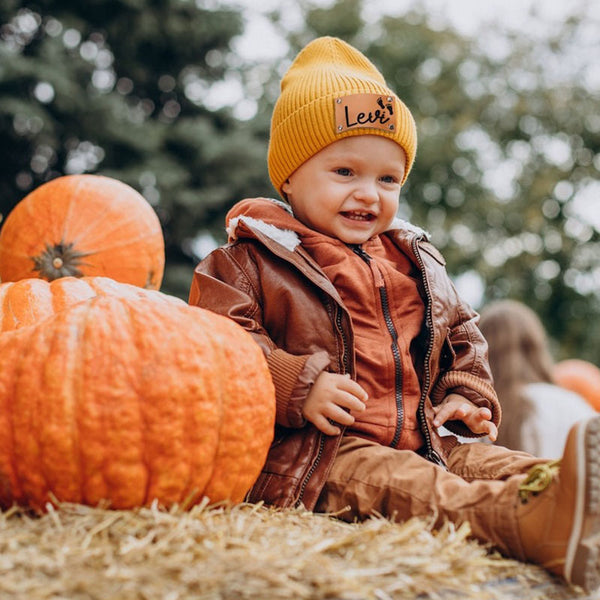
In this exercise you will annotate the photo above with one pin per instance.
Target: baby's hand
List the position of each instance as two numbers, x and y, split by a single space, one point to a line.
455 407
333 397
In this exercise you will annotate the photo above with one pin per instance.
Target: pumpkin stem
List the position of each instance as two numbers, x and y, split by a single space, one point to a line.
58 260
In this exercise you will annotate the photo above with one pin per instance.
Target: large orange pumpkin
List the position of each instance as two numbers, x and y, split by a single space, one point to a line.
131 400
28 301
83 225
580 376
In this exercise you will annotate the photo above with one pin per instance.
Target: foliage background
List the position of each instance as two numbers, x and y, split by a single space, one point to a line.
506 177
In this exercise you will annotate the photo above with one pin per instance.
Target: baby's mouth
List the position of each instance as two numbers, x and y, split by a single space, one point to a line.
357 215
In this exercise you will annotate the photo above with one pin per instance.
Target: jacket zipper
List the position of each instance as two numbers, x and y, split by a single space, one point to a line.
430 454
345 358
385 306
312 469
345 369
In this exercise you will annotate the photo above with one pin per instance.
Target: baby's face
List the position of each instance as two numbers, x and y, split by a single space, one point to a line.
349 190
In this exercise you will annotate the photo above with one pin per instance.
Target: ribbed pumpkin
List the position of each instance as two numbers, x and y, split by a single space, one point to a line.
28 301
580 376
79 225
131 400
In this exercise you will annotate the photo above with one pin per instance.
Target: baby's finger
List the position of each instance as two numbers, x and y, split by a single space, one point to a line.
349 401
492 431
485 428
352 387
441 416
339 415
479 422
483 413
450 412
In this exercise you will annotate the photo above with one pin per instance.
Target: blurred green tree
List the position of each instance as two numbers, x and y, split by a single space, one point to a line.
124 88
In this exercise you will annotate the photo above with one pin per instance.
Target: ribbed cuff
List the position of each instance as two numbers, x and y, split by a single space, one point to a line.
285 370
452 380
314 366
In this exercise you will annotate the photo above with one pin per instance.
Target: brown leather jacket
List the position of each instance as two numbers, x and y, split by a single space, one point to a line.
265 281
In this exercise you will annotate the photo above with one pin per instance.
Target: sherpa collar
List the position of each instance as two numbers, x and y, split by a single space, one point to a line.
288 238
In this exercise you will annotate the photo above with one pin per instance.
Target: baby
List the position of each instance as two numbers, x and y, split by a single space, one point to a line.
369 345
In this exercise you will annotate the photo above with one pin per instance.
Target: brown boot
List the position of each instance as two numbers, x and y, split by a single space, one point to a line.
559 512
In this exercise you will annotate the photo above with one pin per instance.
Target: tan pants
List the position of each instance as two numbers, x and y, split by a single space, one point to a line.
480 486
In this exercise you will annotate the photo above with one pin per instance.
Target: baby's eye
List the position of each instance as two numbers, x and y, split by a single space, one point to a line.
343 171
389 179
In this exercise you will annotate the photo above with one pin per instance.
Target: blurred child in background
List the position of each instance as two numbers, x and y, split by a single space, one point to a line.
536 413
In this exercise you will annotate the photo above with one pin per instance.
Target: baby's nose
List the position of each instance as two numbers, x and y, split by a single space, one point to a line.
367 191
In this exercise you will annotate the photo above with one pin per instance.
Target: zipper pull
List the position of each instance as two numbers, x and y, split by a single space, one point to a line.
360 251
377 276
435 458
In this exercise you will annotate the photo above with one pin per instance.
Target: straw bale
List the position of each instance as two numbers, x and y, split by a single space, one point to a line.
222 552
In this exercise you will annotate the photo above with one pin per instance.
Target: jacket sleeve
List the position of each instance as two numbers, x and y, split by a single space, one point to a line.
229 286
464 368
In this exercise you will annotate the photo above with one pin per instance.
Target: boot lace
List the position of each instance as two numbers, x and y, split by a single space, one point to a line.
538 479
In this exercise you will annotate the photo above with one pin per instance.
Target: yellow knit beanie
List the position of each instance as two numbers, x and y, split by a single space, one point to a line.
332 91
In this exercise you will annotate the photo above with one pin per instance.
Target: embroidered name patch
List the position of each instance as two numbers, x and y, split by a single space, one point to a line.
365 110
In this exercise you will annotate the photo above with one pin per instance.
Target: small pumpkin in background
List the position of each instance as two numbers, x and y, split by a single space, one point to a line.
579 376
83 225
28 301
131 400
